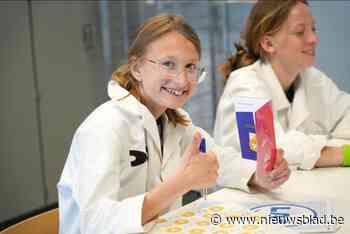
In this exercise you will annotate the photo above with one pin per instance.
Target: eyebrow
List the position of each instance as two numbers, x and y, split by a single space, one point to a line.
175 58
302 24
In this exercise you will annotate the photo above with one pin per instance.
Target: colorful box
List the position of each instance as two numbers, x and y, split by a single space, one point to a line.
256 131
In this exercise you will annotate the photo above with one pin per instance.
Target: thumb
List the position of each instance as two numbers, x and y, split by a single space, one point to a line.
279 157
193 148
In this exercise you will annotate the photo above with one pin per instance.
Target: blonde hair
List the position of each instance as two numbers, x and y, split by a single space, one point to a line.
266 17
149 31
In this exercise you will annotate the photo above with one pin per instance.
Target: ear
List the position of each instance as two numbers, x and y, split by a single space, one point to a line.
267 44
135 68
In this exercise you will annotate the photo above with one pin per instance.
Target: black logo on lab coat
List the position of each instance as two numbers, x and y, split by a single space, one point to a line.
140 157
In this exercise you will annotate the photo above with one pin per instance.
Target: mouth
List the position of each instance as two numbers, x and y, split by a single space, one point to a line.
175 92
309 52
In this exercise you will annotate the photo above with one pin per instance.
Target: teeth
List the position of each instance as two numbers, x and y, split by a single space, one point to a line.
174 92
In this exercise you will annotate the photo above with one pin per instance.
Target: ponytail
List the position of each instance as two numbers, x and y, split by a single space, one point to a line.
242 58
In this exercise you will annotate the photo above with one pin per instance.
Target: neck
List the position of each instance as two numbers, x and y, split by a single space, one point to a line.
286 75
155 110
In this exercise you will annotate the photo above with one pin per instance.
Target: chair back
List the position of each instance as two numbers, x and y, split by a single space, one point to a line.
44 223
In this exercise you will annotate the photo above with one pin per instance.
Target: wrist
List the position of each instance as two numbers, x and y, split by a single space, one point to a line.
346 155
181 182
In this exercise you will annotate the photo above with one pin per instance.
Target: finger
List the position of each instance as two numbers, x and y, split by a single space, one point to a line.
283 166
279 182
279 157
285 173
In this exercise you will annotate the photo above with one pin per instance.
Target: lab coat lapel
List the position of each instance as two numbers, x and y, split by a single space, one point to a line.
172 138
132 105
151 128
299 111
267 74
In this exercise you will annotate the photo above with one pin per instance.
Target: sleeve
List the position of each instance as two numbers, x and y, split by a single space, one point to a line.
333 104
339 110
98 183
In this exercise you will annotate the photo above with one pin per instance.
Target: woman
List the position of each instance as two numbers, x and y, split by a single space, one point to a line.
137 154
275 60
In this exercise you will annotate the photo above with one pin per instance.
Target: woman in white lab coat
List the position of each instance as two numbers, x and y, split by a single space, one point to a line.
274 60
136 155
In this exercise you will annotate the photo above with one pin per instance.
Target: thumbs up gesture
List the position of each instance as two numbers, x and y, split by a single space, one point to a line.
199 169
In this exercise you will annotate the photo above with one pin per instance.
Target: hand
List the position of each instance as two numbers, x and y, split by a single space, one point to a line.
199 170
274 178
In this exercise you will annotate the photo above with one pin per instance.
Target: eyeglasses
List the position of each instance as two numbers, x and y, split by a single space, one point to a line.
171 67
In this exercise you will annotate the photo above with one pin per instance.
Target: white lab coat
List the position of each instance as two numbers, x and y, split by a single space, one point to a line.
102 187
318 116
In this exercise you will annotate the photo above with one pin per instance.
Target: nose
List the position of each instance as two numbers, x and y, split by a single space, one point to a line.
313 38
182 77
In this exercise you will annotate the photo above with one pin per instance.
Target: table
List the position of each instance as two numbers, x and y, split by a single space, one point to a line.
319 184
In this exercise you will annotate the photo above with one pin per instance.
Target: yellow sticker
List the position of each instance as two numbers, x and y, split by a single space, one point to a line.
203 223
173 229
220 232
250 226
188 214
181 221
216 208
227 225
196 231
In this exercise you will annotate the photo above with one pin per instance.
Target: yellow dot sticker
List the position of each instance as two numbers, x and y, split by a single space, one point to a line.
173 229
245 233
188 214
181 221
250 227
196 231
203 223
220 232
227 225
216 208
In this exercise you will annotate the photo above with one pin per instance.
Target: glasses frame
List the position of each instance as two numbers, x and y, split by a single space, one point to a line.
202 71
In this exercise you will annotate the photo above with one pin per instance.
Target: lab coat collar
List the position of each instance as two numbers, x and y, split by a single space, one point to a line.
300 110
278 96
172 138
129 103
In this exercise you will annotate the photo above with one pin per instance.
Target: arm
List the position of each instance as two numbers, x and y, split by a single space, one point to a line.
330 157
97 193
194 172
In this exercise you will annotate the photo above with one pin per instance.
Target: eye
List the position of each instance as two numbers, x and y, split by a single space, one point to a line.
169 65
191 67
314 29
300 33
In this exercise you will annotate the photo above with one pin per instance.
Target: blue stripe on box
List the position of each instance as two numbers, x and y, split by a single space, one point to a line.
245 124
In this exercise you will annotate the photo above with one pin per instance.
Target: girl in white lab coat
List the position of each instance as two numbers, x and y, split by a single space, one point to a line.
274 60
137 154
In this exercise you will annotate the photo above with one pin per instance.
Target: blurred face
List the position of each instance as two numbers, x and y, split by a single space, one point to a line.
168 72
293 47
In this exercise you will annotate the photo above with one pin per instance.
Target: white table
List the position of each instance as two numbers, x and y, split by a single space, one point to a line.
331 184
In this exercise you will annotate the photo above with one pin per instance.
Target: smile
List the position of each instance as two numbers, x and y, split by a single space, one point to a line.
309 52
174 92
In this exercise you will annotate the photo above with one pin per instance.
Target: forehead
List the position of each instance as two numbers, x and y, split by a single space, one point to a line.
300 15
173 44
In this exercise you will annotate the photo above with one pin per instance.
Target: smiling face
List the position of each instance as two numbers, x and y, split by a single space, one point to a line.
160 90
293 46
